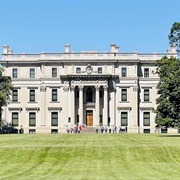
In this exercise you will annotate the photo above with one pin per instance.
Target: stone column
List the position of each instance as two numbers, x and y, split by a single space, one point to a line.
97 105
112 107
80 105
43 107
66 105
105 114
72 105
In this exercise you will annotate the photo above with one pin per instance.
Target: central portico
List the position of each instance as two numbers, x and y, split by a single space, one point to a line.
88 99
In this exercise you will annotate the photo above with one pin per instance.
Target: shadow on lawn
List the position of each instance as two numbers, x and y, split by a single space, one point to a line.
170 135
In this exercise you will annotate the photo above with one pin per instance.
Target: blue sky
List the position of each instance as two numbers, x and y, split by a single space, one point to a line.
33 26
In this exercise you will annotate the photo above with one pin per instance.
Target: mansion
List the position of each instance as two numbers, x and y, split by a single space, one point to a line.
55 90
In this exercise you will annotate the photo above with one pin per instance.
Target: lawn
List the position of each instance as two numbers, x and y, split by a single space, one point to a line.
90 156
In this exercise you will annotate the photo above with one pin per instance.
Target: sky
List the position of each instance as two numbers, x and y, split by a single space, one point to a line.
35 26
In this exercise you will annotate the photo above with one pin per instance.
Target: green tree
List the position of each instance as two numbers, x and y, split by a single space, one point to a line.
168 109
174 36
5 91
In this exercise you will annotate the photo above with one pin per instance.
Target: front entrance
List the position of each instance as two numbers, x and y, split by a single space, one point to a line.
89 117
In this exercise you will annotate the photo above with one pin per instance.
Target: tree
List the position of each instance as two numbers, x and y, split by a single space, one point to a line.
5 91
174 36
168 109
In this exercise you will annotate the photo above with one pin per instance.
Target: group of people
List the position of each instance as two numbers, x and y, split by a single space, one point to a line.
75 129
113 129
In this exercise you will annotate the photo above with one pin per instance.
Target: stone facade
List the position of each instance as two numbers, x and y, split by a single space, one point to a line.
55 90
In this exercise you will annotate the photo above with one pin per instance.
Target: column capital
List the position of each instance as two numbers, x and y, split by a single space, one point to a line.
72 88
66 88
97 88
81 87
105 87
43 88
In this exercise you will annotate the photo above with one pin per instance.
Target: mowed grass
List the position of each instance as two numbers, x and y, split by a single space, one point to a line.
89 156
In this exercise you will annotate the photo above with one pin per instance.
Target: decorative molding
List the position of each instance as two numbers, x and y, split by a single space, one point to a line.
15 109
32 87
32 109
43 88
89 69
147 108
54 108
124 108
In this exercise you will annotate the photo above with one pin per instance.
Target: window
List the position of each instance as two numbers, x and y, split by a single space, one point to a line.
78 70
15 95
32 73
32 95
32 119
146 72
123 94
146 118
146 95
77 94
54 131
54 72
32 131
14 73
54 94
164 130
124 72
100 70
89 95
101 94
54 118
14 119
124 119
146 130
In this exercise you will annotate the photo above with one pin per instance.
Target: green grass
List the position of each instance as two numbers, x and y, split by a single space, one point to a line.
90 156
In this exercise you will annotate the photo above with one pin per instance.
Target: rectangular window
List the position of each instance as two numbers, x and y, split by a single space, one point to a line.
15 119
146 130
32 73
32 119
14 73
54 72
146 118
146 72
54 94
124 119
54 131
32 131
15 95
146 95
32 95
124 72
54 118
123 94
77 94
78 70
100 70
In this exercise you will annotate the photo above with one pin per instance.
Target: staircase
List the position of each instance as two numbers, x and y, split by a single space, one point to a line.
88 130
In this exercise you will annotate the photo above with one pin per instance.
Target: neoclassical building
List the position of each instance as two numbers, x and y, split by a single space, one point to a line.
55 90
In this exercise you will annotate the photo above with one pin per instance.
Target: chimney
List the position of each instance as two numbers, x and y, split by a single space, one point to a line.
10 51
172 50
114 48
5 49
67 48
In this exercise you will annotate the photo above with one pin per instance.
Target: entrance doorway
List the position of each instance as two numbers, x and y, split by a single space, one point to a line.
89 117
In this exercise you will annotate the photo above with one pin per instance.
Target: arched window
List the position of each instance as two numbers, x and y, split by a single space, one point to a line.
89 95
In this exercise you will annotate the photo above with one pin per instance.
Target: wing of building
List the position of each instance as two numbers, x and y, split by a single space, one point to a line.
55 90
